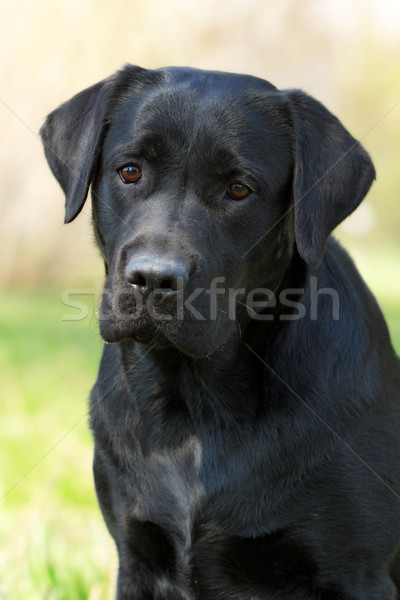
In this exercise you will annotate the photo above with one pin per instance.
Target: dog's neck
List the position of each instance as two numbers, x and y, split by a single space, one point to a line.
223 386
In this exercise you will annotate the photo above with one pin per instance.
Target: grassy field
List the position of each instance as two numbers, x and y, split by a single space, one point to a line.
54 545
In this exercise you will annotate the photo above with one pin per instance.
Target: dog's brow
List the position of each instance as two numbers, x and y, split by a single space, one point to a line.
224 156
147 146
226 163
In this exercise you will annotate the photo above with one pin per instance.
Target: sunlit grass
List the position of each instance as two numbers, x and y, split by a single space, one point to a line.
61 553
54 545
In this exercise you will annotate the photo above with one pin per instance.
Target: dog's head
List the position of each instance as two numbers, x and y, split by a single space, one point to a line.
203 186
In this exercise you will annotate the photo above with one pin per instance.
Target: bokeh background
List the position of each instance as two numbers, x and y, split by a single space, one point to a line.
53 544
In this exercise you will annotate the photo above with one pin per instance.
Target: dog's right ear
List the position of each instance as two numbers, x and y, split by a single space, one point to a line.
71 137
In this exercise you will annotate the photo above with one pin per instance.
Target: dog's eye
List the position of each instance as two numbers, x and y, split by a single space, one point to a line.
238 190
130 174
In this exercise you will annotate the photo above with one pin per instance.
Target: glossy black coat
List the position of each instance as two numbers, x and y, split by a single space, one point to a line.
242 458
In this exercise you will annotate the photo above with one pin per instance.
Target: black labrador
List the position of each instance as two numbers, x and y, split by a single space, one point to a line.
246 414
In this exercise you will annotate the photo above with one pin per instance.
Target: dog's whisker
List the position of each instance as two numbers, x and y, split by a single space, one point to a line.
224 312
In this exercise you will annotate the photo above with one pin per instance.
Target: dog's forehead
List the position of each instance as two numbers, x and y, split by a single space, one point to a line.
182 101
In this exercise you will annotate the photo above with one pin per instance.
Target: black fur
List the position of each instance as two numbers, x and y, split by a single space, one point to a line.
245 457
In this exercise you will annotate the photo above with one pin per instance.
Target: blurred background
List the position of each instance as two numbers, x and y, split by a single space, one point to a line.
53 543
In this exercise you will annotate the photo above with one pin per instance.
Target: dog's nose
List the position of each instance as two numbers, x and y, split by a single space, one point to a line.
164 274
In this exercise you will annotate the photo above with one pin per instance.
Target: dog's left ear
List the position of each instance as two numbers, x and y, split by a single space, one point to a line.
332 174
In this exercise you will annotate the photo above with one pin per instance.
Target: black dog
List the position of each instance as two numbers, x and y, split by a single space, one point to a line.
246 413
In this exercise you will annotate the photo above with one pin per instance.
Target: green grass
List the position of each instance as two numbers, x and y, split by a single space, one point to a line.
54 545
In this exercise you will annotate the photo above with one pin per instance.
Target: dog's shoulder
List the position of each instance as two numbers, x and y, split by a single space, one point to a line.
357 304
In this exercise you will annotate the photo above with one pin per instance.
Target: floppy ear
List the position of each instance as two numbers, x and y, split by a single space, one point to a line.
71 137
332 174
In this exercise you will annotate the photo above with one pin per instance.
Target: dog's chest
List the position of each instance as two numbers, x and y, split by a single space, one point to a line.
168 487
168 494
174 491
189 481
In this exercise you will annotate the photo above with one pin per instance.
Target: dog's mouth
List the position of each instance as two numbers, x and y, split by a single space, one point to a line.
163 319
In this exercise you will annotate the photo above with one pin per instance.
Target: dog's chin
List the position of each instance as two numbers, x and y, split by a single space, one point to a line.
198 340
